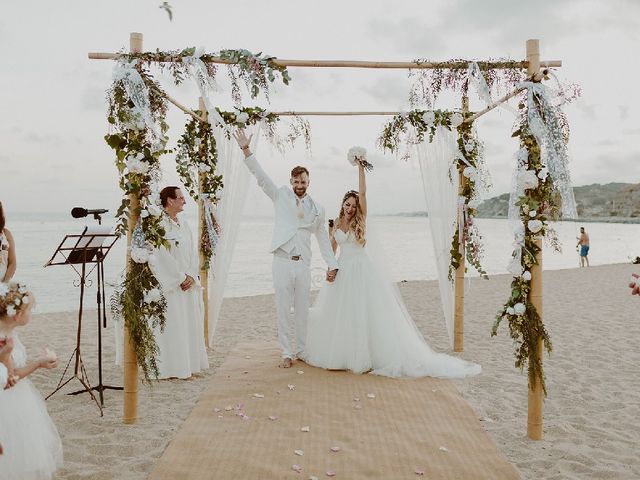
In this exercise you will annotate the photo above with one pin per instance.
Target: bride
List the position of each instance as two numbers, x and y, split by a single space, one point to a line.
359 322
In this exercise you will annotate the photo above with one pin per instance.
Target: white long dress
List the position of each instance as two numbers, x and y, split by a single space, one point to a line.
32 446
4 255
360 323
181 344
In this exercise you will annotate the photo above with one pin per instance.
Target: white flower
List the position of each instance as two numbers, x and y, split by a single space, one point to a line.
519 308
135 165
200 51
139 255
533 213
470 172
525 208
527 179
17 302
534 226
22 289
355 154
203 167
154 210
475 203
523 155
429 118
26 299
11 311
456 120
526 276
242 117
542 174
469 146
510 310
4 289
144 213
152 295
50 355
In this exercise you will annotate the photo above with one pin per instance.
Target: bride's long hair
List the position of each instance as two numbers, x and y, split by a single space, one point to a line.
358 221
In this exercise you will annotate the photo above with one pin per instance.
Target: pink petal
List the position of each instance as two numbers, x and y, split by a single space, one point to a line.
216 410
296 468
305 429
331 473
271 417
356 399
419 472
335 449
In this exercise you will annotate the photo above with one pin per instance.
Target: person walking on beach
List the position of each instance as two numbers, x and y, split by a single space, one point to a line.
583 245
297 216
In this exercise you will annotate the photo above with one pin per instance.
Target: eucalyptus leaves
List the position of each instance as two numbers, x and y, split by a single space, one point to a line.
468 160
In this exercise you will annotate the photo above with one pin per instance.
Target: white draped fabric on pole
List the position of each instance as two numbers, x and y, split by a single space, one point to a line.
440 182
235 177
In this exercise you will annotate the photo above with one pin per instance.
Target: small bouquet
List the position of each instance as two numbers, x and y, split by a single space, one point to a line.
358 155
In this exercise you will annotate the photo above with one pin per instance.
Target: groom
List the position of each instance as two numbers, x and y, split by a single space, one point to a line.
297 216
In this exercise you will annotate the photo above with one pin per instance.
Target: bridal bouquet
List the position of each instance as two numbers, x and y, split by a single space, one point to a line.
358 155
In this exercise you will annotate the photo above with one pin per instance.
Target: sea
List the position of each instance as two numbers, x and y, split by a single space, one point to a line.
406 242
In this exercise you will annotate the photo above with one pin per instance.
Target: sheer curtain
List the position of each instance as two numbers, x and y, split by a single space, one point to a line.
235 177
440 181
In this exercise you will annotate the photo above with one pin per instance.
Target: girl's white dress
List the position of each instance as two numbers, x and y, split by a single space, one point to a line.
360 323
32 446
4 255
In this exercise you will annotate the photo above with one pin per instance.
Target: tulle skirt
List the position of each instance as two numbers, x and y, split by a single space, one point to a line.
359 323
32 446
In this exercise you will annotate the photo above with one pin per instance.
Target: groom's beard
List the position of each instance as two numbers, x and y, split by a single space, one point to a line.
300 191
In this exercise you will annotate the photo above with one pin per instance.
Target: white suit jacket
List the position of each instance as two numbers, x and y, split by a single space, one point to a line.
287 223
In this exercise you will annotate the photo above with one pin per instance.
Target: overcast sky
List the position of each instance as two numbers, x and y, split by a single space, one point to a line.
52 114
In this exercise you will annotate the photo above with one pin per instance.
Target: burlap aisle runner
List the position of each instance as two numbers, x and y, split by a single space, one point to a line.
250 424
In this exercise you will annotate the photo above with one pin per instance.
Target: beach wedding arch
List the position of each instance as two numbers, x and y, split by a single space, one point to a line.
444 142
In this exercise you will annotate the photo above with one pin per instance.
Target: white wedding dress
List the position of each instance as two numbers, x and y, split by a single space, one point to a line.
359 323
32 446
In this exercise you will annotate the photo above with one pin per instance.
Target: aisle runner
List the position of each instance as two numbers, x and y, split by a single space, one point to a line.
251 424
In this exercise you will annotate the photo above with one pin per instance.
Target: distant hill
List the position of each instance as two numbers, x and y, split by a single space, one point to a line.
608 202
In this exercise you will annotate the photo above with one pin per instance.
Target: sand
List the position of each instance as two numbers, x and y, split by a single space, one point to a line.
591 421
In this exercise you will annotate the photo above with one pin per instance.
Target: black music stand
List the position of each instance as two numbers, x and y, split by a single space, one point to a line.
89 248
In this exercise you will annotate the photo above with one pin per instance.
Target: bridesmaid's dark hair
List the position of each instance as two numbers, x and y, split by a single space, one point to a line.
2 219
167 193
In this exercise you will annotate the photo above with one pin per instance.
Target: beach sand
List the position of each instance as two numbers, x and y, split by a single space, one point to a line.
591 421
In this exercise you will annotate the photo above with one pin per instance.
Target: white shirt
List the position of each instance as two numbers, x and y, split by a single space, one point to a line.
296 244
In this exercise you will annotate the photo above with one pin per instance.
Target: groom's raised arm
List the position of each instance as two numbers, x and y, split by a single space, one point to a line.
264 181
322 236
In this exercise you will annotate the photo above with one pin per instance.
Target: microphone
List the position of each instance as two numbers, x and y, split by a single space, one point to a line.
79 212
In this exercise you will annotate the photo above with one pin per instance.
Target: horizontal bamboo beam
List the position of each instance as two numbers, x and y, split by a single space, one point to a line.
345 63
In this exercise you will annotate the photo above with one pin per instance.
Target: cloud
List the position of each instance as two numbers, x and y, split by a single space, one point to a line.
390 90
93 99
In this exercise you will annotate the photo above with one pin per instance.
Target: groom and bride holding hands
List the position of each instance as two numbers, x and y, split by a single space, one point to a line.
358 321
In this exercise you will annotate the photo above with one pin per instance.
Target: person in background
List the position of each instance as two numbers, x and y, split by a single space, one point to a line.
583 245
7 250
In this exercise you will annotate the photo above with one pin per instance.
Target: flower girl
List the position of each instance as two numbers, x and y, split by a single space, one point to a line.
30 440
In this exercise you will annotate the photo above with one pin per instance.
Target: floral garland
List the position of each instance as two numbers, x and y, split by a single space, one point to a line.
138 148
469 161
254 69
542 193
500 75
196 160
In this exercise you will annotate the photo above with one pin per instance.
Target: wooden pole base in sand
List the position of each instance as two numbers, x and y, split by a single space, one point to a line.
536 395
130 408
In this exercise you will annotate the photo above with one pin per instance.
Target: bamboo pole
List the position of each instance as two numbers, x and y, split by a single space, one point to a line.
458 304
281 62
202 225
130 408
535 393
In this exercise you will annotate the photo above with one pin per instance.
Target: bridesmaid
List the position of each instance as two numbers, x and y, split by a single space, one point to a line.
7 251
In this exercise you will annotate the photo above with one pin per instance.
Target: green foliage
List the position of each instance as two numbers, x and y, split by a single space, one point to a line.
141 317
137 158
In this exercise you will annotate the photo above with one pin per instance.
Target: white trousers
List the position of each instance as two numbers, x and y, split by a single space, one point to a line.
292 284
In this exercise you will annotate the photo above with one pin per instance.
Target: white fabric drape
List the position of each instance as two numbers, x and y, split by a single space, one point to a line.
440 181
235 177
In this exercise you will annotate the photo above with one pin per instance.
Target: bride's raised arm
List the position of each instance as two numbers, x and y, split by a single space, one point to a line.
362 190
